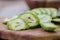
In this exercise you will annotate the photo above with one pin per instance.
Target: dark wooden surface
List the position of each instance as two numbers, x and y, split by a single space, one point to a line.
3 39
43 3
53 4
36 3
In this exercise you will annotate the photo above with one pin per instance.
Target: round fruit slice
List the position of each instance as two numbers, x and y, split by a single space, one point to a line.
54 12
48 26
45 18
56 20
30 18
17 24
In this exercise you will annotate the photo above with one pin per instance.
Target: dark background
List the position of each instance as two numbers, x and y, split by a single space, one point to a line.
43 3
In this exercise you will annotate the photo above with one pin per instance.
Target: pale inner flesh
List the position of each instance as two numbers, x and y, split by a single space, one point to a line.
45 18
29 18
18 24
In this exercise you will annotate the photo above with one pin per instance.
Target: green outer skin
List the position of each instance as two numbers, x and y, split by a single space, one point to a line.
11 28
6 20
47 12
56 20
36 16
42 11
47 27
52 15
37 11
32 13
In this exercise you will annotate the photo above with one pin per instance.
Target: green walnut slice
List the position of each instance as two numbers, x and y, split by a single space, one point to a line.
30 18
17 24
56 20
48 26
54 12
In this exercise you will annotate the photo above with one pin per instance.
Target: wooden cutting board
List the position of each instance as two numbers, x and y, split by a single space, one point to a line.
31 34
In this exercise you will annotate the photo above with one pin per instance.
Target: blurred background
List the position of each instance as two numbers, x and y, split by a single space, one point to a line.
9 8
